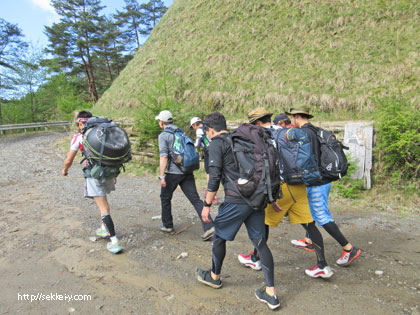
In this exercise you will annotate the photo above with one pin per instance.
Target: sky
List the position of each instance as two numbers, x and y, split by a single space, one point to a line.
32 15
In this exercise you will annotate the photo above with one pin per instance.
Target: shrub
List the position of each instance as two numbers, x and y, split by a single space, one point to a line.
348 187
156 101
398 143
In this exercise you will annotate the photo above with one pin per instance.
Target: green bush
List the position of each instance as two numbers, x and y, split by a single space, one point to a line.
398 143
156 101
348 187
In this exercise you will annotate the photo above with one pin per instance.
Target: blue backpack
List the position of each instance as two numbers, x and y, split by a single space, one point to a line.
183 152
297 162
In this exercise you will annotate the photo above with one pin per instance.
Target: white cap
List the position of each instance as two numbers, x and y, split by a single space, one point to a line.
165 116
194 120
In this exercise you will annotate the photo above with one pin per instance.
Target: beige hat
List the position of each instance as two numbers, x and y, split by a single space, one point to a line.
257 114
299 110
165 116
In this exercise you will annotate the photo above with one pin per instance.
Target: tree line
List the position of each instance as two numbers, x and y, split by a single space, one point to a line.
86 51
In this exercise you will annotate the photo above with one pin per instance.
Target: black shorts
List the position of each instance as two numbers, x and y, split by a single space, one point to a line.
230 218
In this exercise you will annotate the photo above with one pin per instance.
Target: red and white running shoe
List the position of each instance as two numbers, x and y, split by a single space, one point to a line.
250 261
302 244
316 272
347 258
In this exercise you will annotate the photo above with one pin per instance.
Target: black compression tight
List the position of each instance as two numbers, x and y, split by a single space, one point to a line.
218 254
335 232
267 262
109 224
317 241
267 232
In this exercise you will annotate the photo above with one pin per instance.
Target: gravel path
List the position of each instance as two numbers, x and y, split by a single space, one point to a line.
46 226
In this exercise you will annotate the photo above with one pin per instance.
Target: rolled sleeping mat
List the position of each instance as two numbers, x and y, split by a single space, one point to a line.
117 149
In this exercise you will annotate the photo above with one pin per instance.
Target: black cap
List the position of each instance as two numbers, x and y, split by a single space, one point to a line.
280 117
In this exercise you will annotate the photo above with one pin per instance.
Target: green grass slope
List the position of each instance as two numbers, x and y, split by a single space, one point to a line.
235 55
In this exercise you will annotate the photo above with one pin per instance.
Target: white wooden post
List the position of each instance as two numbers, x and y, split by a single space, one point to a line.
358 136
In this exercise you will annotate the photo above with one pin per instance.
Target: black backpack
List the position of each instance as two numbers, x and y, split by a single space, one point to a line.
258 163
332 163
297 161
106 147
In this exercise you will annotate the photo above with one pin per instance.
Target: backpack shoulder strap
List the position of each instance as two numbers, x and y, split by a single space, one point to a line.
169 130
287 134
228 139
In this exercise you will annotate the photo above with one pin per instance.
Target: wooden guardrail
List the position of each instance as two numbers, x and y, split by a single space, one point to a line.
34 125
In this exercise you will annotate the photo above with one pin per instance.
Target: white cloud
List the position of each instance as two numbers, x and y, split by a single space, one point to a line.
44 5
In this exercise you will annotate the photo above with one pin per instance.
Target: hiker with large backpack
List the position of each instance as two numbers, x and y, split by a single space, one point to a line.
244 161
178 160
100 179
297 165
332 165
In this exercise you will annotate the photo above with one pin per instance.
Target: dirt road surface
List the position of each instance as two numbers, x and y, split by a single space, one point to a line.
46 228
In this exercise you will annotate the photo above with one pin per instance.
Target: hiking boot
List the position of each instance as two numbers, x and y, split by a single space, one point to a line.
204 276
272 301
316 272
250 261
114 247
302 244
166 229
208 234
348 257
101 232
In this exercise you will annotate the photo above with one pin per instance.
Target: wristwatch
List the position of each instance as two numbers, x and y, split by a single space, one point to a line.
207 204
162 177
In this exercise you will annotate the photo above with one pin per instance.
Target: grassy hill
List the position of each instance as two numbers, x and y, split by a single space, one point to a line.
234 55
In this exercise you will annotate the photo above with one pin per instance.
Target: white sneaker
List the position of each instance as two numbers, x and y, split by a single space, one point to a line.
316 272
101 232
114 247
250 261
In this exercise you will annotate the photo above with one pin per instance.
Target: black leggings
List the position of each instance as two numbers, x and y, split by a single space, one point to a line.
109 224
335 232
313 233
317 241
267 232
219 253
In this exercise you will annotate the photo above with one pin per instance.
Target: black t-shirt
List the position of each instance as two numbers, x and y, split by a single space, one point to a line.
222 168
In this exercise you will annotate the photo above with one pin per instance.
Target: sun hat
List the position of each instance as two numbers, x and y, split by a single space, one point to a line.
257 114
299 110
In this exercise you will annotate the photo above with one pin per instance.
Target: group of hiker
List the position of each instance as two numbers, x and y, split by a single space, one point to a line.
268 169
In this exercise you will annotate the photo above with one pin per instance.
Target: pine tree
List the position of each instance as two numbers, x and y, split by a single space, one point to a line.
129 20
74 40
152 12
11 47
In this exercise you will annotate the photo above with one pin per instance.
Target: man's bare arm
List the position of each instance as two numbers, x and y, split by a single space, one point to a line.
68 161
